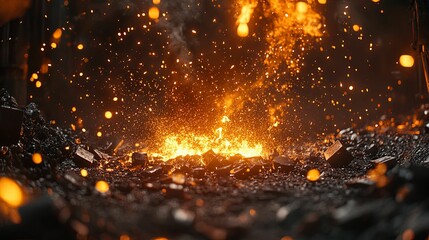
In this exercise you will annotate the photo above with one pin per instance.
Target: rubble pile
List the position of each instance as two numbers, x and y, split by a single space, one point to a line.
368 183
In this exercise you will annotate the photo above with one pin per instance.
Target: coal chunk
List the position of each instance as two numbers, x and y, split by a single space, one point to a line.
83 158
372 150
247 171
337 155
388 160
139 159
10 125
283 164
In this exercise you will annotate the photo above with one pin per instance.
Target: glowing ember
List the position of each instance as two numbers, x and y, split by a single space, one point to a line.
108 114
102 186
83 172
154 13
406 61
242 30
313 175
37 158
10 192
57 34
243 19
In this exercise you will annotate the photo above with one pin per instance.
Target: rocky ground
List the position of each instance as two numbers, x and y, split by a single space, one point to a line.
212 197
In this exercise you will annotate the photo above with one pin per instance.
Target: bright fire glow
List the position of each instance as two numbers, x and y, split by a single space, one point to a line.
188 143
194 144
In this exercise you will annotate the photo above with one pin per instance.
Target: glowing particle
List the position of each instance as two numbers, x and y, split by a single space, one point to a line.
408 235
322 1
37 158
376 1
10 192
53 45
38 84
313 175
34 76
178 178
124 237
356 28
225 119
83 172
115 99
156 2
99 134
242 30
153 13
159 238
406 61
301 7
102 186
351 88
73 109
108 114
252 212
80 46
57 34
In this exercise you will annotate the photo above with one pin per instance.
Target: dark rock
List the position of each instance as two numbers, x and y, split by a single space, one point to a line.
83 158
153 172
139 159
199 172
10 125
209 156
361 216
283 164
7 100
223 171
40 219
247 172
337 155
98 154
388 160
371 150
360 182
414 177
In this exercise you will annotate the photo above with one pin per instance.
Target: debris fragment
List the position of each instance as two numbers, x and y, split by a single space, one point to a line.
283 164
83 158
337 155
139 159
388 160
10 125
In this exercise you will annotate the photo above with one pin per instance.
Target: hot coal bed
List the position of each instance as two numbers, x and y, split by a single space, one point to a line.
245 119
370 183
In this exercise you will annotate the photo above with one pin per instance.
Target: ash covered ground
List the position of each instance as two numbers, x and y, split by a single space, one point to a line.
225 198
